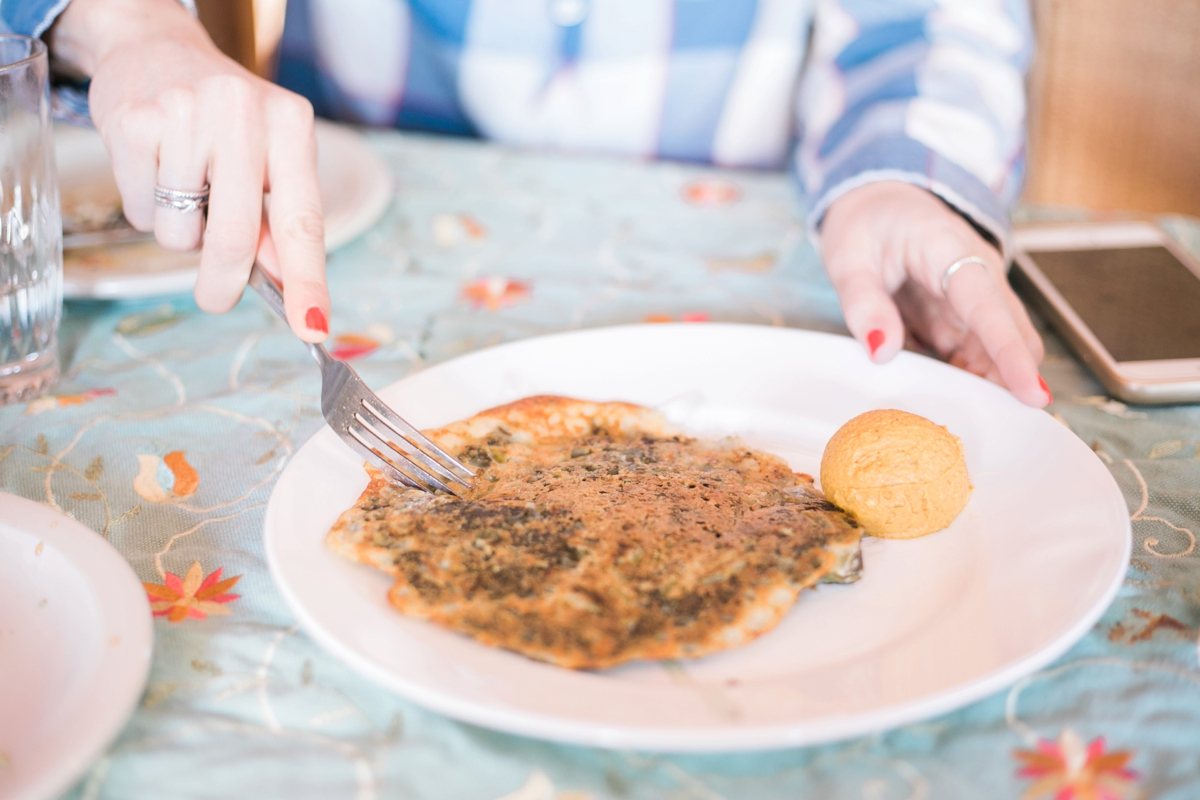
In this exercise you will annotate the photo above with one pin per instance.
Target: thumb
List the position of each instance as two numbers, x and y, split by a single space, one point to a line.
870 313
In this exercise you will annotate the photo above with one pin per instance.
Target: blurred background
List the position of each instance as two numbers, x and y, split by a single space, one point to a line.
1114 121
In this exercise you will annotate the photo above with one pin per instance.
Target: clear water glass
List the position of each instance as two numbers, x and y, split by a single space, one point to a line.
30 224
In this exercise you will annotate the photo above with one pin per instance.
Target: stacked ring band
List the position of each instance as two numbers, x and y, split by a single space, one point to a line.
181 200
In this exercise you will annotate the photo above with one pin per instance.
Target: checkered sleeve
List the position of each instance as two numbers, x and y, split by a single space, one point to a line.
34 17
29 17
930 92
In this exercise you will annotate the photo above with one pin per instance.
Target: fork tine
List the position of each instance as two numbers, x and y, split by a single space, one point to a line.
427 452
387 451
406 448
380 463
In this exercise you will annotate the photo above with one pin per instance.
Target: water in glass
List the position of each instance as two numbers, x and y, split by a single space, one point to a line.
30 224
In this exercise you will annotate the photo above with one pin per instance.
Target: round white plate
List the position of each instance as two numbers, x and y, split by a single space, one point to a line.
356 187
935 623
75 642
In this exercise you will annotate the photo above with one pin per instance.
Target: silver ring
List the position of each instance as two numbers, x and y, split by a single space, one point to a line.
181 200
956 266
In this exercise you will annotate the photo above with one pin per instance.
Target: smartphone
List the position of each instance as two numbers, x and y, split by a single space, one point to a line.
1125 297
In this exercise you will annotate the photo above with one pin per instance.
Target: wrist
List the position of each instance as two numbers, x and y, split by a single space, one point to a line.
89 30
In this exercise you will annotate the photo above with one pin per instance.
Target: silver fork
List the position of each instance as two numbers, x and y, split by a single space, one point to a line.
364 422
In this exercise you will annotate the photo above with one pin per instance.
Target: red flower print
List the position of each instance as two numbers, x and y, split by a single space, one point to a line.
349 346
194 595
1069 770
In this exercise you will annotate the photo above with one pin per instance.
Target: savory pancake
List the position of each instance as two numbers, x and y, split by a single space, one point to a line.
595 534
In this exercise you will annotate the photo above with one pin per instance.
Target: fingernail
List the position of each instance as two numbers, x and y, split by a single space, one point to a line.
874 340
1045 388
315 320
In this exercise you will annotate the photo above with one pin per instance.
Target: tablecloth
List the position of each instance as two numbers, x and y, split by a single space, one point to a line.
170 427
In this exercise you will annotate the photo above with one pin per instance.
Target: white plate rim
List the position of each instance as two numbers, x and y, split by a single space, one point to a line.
342 226
122 670
674 740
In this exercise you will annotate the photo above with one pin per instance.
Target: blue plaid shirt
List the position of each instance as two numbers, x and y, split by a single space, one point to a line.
845 92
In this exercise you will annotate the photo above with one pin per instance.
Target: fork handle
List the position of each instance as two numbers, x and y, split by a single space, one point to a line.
269 291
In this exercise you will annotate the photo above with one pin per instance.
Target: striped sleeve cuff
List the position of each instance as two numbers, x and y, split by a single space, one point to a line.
899 158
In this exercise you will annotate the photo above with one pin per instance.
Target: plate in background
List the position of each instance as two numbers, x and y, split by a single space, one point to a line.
356 187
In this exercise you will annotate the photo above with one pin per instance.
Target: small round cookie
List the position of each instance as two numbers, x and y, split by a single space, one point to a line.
899 474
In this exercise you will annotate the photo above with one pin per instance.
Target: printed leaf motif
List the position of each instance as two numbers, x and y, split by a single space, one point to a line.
538 786
452 229
711 192
1145 625
194 596
763 262
170 477
95 469
687 316
1068 769
145 323
1164 449
494 293
52 401
1112 407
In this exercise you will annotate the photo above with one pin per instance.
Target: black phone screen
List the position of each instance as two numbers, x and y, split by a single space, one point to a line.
1142 303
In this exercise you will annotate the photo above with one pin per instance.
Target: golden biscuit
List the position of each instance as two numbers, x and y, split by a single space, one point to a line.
899 474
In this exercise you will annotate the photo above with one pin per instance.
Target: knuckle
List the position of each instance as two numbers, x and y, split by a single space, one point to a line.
178 103
234 243
216 297
308 287
293 110
231 88
1013 352
175 238
306 226
136 124
139 214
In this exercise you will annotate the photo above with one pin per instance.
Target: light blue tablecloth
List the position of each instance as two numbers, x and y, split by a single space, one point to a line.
170 427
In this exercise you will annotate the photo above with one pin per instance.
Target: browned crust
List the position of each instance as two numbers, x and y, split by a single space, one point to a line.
547 567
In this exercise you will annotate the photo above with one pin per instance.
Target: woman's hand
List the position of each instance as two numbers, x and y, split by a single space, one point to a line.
887 247
175 112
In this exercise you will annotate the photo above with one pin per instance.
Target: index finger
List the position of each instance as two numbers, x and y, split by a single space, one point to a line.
296 221
979 297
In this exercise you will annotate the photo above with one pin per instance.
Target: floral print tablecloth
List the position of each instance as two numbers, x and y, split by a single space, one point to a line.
170 428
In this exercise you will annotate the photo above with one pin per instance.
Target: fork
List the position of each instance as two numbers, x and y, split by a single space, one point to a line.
365 422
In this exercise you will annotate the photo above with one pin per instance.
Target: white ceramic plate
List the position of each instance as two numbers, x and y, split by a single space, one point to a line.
356 188
935 623
75 645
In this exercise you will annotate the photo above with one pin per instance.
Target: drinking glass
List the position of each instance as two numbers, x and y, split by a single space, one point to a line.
30 224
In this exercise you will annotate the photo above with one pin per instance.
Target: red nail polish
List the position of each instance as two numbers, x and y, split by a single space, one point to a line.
1045 388
315 320
874 340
